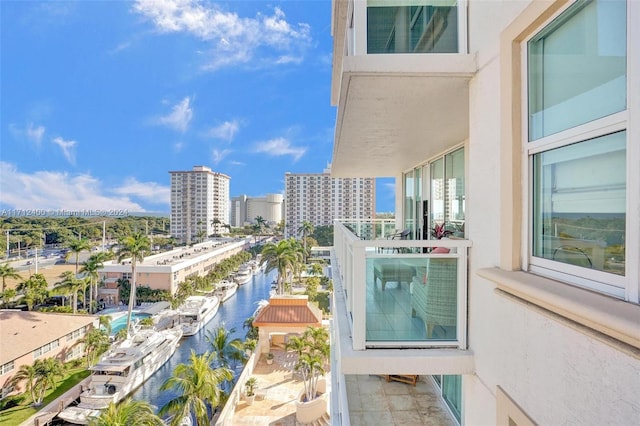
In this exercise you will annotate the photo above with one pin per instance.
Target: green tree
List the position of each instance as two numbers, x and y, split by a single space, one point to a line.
225 348
252 331
306 229
70 285
91 266
313 351
34 289
127 413
7 271
7 296
135 247
77 246
284 257
28 374
198 386
105 323
96 341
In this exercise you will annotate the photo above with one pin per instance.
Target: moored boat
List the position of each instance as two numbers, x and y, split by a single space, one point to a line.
121 370
243 275
225 289
196 312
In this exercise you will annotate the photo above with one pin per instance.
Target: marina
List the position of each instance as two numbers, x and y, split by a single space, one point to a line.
196 312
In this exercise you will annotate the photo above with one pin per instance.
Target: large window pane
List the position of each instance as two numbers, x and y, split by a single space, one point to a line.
580 204
413 26
577 67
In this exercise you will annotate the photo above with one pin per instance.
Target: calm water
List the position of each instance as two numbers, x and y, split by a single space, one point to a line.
120 322
232 314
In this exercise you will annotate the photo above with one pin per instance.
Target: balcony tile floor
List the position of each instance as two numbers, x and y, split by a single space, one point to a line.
373 401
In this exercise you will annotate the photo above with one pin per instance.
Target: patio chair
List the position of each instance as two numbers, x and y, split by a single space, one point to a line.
434 296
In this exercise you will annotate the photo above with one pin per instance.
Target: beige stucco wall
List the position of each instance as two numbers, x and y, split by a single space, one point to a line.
556 372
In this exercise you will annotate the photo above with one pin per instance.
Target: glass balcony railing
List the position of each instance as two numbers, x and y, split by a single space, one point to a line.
412 26
402 293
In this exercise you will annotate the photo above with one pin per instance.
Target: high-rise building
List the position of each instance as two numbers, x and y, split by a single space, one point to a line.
320 199
199 203
245 209
512 129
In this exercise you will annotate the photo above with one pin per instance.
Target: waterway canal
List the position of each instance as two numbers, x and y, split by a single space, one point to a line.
232 314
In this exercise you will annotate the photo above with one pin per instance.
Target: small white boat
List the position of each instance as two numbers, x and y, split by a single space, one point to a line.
243 275
225 289
121 370
196 312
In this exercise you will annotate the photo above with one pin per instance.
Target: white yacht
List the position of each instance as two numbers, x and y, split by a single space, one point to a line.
243 275
196 312
121 370
225 289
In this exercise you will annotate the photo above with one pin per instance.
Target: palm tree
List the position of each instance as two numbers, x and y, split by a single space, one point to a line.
105 322
198 388
7 296
7 271
306 229
95 342
215 222
27 373
283 257
91 267
225 349
127 413
76 246
261 222
39 377
70 285
136 247
34 289
313 351
48 369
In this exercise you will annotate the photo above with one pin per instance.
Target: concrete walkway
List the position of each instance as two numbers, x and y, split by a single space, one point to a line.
276 393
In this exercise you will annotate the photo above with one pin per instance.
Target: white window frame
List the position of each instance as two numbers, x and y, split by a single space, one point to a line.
625 287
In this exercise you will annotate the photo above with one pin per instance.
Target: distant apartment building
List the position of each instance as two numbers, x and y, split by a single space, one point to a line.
198 198
319 198
245 209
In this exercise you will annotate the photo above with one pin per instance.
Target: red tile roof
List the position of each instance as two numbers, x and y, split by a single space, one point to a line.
290 311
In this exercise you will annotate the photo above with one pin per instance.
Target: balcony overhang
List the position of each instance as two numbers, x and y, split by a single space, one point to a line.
395 110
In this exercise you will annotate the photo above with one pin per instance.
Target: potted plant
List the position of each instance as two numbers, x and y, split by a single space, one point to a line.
249 346
269 358
250 394
313 350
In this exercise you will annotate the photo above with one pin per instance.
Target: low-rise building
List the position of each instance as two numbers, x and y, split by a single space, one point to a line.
28 336
165 271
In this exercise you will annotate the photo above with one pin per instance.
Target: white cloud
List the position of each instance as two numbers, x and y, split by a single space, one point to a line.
31 132
280 146
119 48
149 191
179 117
218 155
52 190
177 147
225 131
34 133
68 149
233 39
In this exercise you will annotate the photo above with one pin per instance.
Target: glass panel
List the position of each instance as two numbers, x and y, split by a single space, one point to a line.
409 204
577 67
454 193
428 26
437 193
452 393
411 299
579 204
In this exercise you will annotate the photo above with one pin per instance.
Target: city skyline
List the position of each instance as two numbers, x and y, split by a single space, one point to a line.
101 100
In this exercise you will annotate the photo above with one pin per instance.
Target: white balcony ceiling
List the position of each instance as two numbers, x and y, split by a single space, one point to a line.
396 111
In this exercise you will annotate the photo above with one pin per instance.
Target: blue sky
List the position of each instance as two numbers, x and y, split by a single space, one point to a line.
101 99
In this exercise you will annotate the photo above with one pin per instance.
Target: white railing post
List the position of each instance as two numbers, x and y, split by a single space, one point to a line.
359 298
